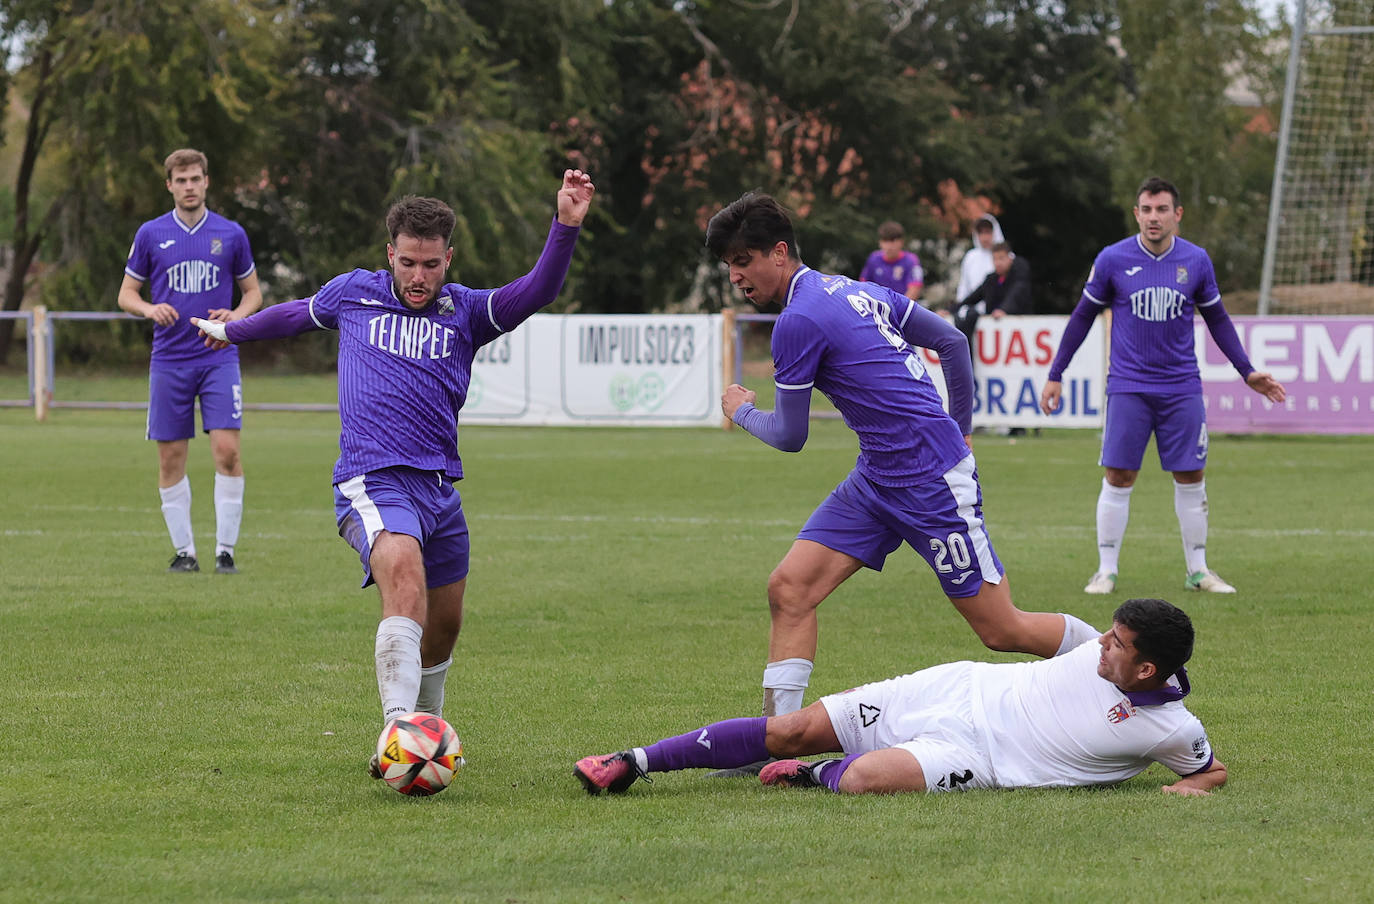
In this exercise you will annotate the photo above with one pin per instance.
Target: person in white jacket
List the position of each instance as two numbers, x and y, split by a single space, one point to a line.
977 262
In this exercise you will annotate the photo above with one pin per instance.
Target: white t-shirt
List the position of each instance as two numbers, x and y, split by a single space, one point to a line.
1056 722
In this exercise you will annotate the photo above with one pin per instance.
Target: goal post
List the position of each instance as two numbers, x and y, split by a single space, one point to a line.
1319 244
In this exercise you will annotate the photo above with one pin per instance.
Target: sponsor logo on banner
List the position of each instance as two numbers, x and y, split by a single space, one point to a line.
647 366
607 370
1012 358
1326 365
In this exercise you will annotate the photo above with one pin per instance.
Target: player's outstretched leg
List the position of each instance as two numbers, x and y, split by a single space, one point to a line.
789 774
720 745
613 772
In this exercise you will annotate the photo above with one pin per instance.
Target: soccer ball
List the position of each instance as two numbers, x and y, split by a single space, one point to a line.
418 754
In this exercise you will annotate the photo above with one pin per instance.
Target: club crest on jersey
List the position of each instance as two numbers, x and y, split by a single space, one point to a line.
1182 275
216 246
1121 712
445 305
896 272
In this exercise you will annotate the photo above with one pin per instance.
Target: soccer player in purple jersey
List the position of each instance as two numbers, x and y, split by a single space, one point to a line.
1152 282
1098 715
915 479
191 258
892 266
406 345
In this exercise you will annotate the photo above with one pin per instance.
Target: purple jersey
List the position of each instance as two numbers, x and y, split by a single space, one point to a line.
845 338
193 269
1152 300
403 374
896 275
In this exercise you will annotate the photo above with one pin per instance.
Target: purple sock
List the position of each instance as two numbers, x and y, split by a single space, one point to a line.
830 774
720 745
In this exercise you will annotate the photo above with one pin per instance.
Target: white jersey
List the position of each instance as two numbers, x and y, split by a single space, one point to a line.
1056 722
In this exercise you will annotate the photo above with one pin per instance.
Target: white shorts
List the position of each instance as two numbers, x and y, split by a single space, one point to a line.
929 714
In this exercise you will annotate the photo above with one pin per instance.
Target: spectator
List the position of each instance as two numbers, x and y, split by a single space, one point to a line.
892 266
1005 290
977 262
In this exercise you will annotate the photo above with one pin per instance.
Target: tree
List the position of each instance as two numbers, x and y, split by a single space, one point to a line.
1174 120
110 88
383 100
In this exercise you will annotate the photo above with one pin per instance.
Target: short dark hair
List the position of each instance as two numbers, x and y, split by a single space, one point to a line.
890 230
1163 632
424 218
1000 246
1154 185
756 222
186 157
983 225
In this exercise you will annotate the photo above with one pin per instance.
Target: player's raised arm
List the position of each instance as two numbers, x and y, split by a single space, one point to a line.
514 302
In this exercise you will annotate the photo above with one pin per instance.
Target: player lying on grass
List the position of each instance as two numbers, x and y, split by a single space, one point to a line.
1097 715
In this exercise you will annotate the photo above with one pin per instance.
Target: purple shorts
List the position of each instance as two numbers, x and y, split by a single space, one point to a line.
172 396
419 504
1178 422
942 520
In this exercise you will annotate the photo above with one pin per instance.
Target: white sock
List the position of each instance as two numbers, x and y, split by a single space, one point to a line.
784 683
228 511
431 696
1113 511
1076 633
1190 504
641 759
398 665
176 511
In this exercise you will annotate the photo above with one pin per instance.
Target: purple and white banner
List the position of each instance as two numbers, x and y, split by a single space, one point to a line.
1325 363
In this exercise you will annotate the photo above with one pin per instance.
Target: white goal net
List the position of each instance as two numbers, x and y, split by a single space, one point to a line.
1319 253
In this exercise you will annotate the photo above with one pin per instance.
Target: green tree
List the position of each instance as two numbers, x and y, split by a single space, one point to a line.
110 88
387 99
1174 120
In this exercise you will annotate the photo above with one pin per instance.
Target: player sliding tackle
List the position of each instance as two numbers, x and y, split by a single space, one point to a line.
1097 715
406 345
915 479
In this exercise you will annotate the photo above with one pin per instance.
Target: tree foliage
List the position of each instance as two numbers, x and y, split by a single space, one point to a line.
317 114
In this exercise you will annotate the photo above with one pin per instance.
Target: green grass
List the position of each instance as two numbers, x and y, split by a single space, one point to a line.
200 737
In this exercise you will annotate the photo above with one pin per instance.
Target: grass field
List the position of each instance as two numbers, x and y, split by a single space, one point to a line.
203 737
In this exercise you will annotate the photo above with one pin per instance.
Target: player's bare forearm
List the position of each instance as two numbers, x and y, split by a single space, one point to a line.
1199 784
130 299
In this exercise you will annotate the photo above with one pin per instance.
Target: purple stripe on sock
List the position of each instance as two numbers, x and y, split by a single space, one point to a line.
830 775
720 745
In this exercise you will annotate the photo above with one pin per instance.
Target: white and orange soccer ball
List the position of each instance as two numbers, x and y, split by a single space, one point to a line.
418 754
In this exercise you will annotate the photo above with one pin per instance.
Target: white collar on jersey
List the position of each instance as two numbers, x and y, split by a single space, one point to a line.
1173 243
191 230
792 284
